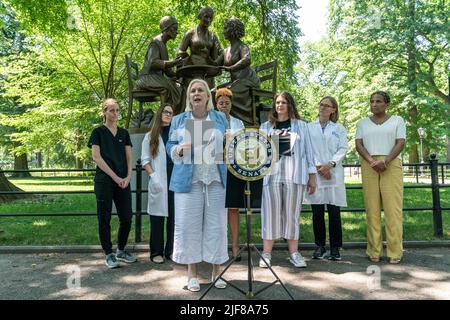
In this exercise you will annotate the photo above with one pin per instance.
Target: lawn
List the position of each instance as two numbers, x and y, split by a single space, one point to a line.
49 230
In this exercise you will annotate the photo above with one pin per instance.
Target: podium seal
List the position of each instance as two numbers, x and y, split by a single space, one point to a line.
250 154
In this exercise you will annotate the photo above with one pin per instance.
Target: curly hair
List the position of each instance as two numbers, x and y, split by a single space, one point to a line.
236 27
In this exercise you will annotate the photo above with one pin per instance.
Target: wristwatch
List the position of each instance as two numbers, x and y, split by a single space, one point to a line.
333 163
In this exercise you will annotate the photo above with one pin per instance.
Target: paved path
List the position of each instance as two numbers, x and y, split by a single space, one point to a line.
424 274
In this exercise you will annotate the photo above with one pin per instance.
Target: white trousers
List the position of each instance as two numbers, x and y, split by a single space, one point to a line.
280 211
201 225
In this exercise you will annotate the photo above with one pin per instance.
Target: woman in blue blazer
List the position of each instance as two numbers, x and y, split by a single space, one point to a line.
199 180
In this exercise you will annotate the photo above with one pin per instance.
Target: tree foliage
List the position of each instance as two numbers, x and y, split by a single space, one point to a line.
77 57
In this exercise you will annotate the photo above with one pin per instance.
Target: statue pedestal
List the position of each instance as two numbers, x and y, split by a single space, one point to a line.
137 136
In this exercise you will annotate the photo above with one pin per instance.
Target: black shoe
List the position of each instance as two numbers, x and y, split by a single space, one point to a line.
238 258
319 253
334 254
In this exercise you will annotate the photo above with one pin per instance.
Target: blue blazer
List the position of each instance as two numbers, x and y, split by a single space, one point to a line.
181 180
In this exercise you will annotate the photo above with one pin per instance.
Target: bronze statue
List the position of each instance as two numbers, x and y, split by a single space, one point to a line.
157 73
236 60
204 45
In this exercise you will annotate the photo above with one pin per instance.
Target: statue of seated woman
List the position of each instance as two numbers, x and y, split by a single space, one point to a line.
203 44
236 60
157 73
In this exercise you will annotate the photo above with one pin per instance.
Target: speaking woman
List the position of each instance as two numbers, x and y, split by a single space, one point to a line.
199 180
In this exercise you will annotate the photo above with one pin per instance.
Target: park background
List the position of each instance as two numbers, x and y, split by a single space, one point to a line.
60 59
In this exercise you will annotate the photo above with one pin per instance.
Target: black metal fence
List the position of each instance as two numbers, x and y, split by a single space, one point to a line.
430 171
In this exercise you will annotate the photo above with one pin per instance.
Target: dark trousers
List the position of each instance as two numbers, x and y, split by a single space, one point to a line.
334 225
157 232
106 192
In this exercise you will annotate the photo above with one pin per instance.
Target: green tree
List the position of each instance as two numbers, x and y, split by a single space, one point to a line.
408 41
80 46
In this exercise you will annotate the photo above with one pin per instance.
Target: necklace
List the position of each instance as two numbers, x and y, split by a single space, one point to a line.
377 121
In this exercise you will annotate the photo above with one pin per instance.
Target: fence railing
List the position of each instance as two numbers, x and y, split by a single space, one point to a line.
430 170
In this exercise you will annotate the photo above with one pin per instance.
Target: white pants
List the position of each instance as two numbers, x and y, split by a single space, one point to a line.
280 211
201 225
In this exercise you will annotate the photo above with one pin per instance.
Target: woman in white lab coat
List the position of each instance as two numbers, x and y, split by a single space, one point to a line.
330 146
160 200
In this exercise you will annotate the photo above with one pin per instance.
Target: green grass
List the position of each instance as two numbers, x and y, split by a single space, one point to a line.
83 230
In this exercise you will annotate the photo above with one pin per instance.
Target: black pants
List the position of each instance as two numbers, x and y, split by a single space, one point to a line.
334 225
157 232
106 192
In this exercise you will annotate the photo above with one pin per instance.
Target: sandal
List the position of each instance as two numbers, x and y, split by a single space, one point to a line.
193 285
394 260
374 259
237 258
220 284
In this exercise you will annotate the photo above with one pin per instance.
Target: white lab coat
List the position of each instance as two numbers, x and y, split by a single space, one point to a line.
235 125
157 204
330 145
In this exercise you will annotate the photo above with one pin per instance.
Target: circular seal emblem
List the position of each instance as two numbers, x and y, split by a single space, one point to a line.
250 154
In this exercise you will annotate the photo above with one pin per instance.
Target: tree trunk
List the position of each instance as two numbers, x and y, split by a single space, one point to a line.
5 185
447 122
448 148
21 163
39 159
78 161
412 82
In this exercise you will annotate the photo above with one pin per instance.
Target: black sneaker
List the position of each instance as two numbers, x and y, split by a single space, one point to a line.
334 254
319 253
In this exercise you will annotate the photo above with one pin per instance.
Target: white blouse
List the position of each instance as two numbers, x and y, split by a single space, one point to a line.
379 139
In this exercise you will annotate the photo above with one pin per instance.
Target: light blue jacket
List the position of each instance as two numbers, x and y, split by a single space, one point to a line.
181 180
301 150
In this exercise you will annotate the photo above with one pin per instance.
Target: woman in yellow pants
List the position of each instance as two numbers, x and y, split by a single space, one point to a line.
380 140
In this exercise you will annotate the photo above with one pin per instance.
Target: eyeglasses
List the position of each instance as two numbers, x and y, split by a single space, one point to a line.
167 113
323 105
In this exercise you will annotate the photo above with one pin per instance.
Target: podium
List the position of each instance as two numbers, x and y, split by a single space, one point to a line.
249 155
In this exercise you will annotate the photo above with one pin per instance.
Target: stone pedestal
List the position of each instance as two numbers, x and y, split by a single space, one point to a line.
137 136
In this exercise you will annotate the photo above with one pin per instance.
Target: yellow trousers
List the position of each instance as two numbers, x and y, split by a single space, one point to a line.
384 190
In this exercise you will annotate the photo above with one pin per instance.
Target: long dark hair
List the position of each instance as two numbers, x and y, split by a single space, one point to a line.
292 107
156 129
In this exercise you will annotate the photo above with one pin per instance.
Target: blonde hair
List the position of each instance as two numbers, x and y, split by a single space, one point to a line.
209 106
335 115
107 102
224 92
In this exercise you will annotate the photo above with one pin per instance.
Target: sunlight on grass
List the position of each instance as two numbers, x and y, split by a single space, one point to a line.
84 230
40 223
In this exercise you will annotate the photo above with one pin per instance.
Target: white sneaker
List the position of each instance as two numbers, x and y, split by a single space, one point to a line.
297 260
267 257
